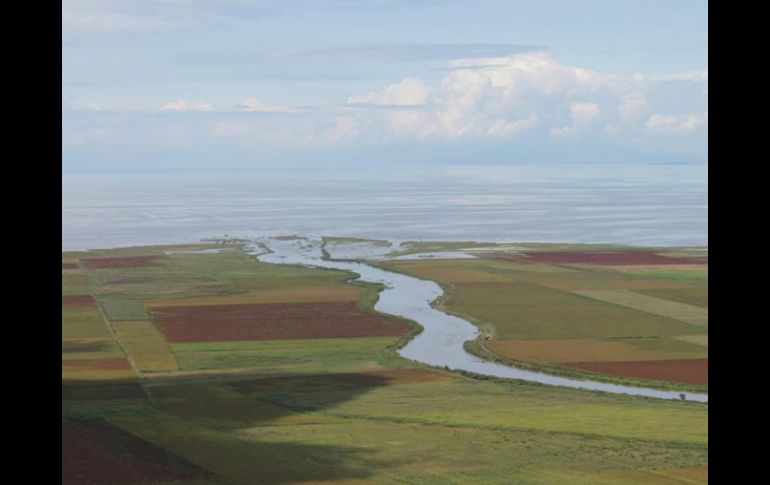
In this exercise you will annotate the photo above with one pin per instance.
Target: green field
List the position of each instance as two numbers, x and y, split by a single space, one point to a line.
119 309
312 355
527 310
691 296
352 410
513 301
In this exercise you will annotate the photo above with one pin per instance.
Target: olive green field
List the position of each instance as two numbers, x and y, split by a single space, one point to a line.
198 364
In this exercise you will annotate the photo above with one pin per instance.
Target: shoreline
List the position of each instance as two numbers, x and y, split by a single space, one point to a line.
469 345
476 365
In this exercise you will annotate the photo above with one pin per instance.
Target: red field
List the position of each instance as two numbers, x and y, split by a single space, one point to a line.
607 257
69 266
690 371
272 321
97 453
122 262
77 300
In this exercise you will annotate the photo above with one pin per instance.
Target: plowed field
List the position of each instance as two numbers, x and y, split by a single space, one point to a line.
122 262
272 321
77 300
97 453
609 257
691 371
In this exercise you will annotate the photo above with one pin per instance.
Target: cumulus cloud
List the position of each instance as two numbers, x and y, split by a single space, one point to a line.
258 105
633 105
344 128
184 105
502 127
562 132
675 124
523 97
584 112
505 96
409 92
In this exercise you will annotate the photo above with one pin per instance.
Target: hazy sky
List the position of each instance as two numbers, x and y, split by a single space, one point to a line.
269 83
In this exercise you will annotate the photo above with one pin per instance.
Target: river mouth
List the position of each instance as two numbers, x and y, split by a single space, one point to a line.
440 344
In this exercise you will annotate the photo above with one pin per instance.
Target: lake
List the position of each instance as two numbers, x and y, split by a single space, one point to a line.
659 205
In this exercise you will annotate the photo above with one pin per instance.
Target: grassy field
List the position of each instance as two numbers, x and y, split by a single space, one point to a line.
146 345
290 355
522 310
138 409
570 314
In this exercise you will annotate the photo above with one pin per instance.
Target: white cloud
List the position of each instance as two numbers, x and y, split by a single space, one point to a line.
491 96
184 105
584 112
258 105
522 96
345 128
633 105
507 95
562 132
675 124
409 92
508 128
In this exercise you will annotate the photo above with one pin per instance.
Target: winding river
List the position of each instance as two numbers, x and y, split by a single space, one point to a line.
441 342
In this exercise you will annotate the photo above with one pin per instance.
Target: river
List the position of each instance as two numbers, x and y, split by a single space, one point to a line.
440 343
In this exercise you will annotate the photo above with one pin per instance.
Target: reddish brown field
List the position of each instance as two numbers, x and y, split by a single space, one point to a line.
272 321
609 258
582 350
95 452
77 300
102 364
69 266
690 371
122 262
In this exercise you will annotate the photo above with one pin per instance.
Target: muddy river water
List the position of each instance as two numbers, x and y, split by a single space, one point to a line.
441 342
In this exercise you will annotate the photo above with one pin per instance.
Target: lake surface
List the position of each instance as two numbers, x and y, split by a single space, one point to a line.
441 341
661 205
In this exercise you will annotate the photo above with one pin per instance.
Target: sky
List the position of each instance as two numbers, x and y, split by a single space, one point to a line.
192 84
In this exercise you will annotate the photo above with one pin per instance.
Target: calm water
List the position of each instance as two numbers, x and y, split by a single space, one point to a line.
441 341
646 205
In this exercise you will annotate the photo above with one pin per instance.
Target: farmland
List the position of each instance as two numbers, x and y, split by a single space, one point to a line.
272 321
631 316
197 364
